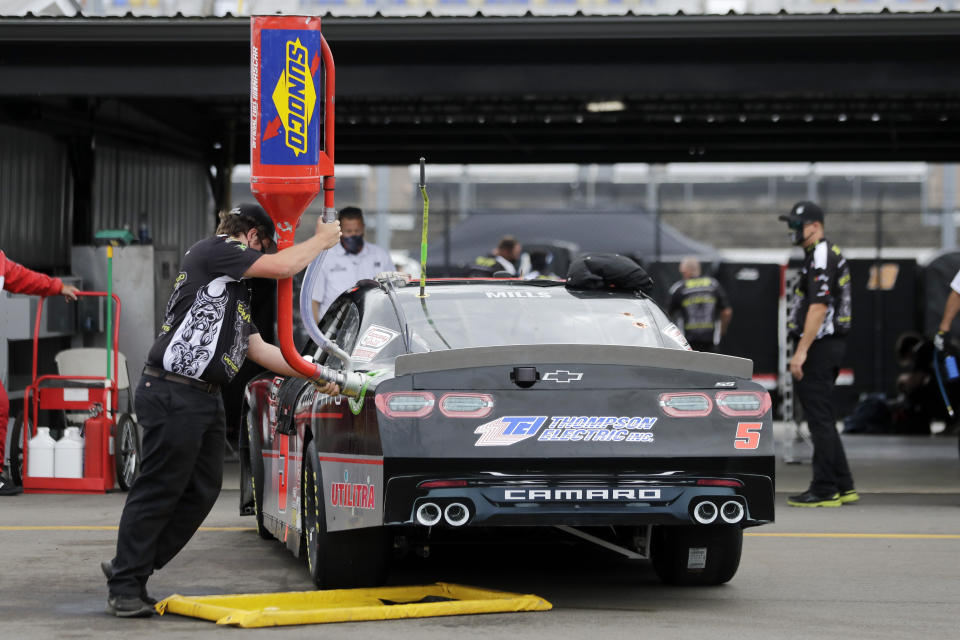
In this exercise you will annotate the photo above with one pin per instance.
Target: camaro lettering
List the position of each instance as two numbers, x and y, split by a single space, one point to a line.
580 495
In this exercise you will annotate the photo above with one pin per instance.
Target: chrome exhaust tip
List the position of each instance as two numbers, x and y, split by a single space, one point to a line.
428 514
456 514
705 512
731 512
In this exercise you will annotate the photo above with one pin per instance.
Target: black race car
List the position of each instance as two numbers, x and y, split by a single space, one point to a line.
497 405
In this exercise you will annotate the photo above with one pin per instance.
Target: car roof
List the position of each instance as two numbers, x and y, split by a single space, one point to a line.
471 286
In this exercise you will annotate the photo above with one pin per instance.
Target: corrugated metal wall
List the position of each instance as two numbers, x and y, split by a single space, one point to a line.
171 194
34 199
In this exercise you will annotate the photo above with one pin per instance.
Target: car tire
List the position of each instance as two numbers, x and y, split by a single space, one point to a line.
671 555
128 453
256 472
339 559
16 452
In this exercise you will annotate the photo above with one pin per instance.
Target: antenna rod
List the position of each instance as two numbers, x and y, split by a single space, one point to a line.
423 236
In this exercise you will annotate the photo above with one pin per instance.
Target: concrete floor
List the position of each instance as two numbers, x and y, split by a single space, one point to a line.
887 567
879 464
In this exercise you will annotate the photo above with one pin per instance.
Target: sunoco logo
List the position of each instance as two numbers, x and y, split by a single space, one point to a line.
295 97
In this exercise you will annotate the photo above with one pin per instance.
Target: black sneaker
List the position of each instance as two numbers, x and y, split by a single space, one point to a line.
810 499
129 607
107 568
7 488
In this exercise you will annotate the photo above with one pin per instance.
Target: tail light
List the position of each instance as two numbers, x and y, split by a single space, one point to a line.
686 405
743 403
466 405
718 482
406 404
442 484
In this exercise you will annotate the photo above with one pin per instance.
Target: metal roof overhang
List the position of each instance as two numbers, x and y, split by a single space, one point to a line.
484 89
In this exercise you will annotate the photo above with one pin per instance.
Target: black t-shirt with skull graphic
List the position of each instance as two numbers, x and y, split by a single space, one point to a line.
207 325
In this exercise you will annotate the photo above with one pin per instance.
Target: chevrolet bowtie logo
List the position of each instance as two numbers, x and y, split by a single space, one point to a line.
563 377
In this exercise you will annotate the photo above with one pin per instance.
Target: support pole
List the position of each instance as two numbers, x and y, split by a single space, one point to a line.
948 226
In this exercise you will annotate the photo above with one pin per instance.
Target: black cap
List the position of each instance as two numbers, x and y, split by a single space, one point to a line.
256 213
804 212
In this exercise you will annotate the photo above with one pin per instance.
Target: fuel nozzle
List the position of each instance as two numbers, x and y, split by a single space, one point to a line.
350 382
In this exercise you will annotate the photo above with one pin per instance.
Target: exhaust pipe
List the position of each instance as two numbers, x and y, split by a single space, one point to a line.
456 514
731 512
705 512
428 514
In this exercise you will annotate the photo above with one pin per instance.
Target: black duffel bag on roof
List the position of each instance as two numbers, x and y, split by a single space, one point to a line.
595 271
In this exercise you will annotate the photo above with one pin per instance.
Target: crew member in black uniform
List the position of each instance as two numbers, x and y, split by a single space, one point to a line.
206 334
700 307
818 323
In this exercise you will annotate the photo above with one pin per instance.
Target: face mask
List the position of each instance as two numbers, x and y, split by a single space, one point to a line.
268 245
352 244
796 234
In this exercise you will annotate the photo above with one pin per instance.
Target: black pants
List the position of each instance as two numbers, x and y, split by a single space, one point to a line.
180 479
815 392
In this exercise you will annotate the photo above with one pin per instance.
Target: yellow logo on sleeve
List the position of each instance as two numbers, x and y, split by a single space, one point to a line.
295 97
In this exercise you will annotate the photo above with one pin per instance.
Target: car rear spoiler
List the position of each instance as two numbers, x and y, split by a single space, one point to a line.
574 354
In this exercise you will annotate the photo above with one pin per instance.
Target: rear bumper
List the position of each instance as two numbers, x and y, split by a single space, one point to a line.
525 499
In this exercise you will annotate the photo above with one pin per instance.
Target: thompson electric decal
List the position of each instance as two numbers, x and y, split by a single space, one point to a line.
508 430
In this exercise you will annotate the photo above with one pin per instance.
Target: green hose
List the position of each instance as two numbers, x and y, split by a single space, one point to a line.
423 234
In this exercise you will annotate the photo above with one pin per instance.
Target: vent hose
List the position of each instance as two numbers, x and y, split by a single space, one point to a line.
306 311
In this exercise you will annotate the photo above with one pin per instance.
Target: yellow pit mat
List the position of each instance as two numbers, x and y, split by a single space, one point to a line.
349 605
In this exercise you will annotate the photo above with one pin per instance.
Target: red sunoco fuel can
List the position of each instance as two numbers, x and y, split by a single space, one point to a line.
288 101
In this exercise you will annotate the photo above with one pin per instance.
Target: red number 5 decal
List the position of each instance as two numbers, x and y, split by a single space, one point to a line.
748 435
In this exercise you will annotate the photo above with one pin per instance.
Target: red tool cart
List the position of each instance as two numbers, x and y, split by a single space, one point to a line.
96 395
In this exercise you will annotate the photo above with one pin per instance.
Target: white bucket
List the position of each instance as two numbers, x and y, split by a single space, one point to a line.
40 454
68 455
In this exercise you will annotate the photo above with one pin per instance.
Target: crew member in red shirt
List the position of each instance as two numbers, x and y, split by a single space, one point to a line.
18 279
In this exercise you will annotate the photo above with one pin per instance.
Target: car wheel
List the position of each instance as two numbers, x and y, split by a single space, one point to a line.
16 452
696 555
128 456
256 473
340 559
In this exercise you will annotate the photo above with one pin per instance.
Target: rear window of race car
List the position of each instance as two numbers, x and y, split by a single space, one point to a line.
491 316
